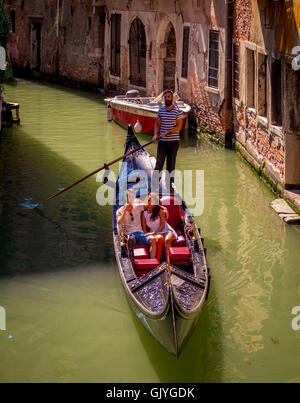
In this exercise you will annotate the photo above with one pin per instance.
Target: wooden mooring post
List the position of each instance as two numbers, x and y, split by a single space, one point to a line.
0 113
7 118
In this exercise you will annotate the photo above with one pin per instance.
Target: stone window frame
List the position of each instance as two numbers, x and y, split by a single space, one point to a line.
131 85
253 47
113 77
258 50
185 25
276 56
264 121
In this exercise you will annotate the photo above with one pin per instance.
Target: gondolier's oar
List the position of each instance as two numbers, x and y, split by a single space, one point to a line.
93 173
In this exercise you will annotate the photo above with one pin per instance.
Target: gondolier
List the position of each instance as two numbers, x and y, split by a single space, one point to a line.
167 127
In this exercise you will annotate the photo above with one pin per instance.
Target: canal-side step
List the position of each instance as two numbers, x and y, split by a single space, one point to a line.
285 212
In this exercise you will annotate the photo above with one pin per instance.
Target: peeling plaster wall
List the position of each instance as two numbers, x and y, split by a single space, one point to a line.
68 46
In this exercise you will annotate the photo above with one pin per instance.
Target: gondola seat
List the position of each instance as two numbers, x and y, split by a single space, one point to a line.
180 256
176 218
144 266
140 252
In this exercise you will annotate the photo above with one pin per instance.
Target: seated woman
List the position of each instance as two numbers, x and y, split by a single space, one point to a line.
154 219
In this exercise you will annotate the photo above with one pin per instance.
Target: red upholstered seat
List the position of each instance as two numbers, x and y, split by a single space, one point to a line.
180 256
176 216
140 253
143 266
173 206
139 246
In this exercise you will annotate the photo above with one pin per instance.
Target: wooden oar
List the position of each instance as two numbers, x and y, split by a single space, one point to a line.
94 172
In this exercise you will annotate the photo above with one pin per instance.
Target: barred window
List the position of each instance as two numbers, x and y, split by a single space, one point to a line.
262 85
137 53
276 93
236 72
115 60
13 21
213 68
185 52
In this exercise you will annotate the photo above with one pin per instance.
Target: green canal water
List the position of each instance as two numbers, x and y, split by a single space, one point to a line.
68 319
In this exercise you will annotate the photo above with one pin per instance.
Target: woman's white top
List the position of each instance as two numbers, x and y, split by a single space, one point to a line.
154 225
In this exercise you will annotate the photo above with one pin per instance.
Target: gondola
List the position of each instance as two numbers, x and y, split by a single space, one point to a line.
167 298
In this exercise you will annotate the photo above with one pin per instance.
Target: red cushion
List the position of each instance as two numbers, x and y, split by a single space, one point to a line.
144 266
179 242
173 206
140 253
180 252
141 264
180 256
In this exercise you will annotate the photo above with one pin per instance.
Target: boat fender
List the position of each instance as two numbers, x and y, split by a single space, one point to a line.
106 181
109 112
106 174
208 280
138 127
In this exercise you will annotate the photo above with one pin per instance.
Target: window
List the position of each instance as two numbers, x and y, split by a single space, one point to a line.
262 85
64 32
236 72
185 52
13 21
101 30
276 111
213 69
250 78
115 60
137 52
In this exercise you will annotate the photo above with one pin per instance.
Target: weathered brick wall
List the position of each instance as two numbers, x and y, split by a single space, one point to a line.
243 15
265 143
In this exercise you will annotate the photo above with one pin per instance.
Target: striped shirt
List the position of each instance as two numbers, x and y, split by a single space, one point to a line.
169 121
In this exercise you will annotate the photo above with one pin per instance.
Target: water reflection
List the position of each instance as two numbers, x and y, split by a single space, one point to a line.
67 311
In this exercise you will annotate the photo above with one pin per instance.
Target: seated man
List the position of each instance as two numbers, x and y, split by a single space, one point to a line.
129 216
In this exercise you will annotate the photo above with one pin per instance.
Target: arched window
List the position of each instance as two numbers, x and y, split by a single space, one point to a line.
170 59
137 52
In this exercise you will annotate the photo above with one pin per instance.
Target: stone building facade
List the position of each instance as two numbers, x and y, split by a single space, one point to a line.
266 87
115 44
229 59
